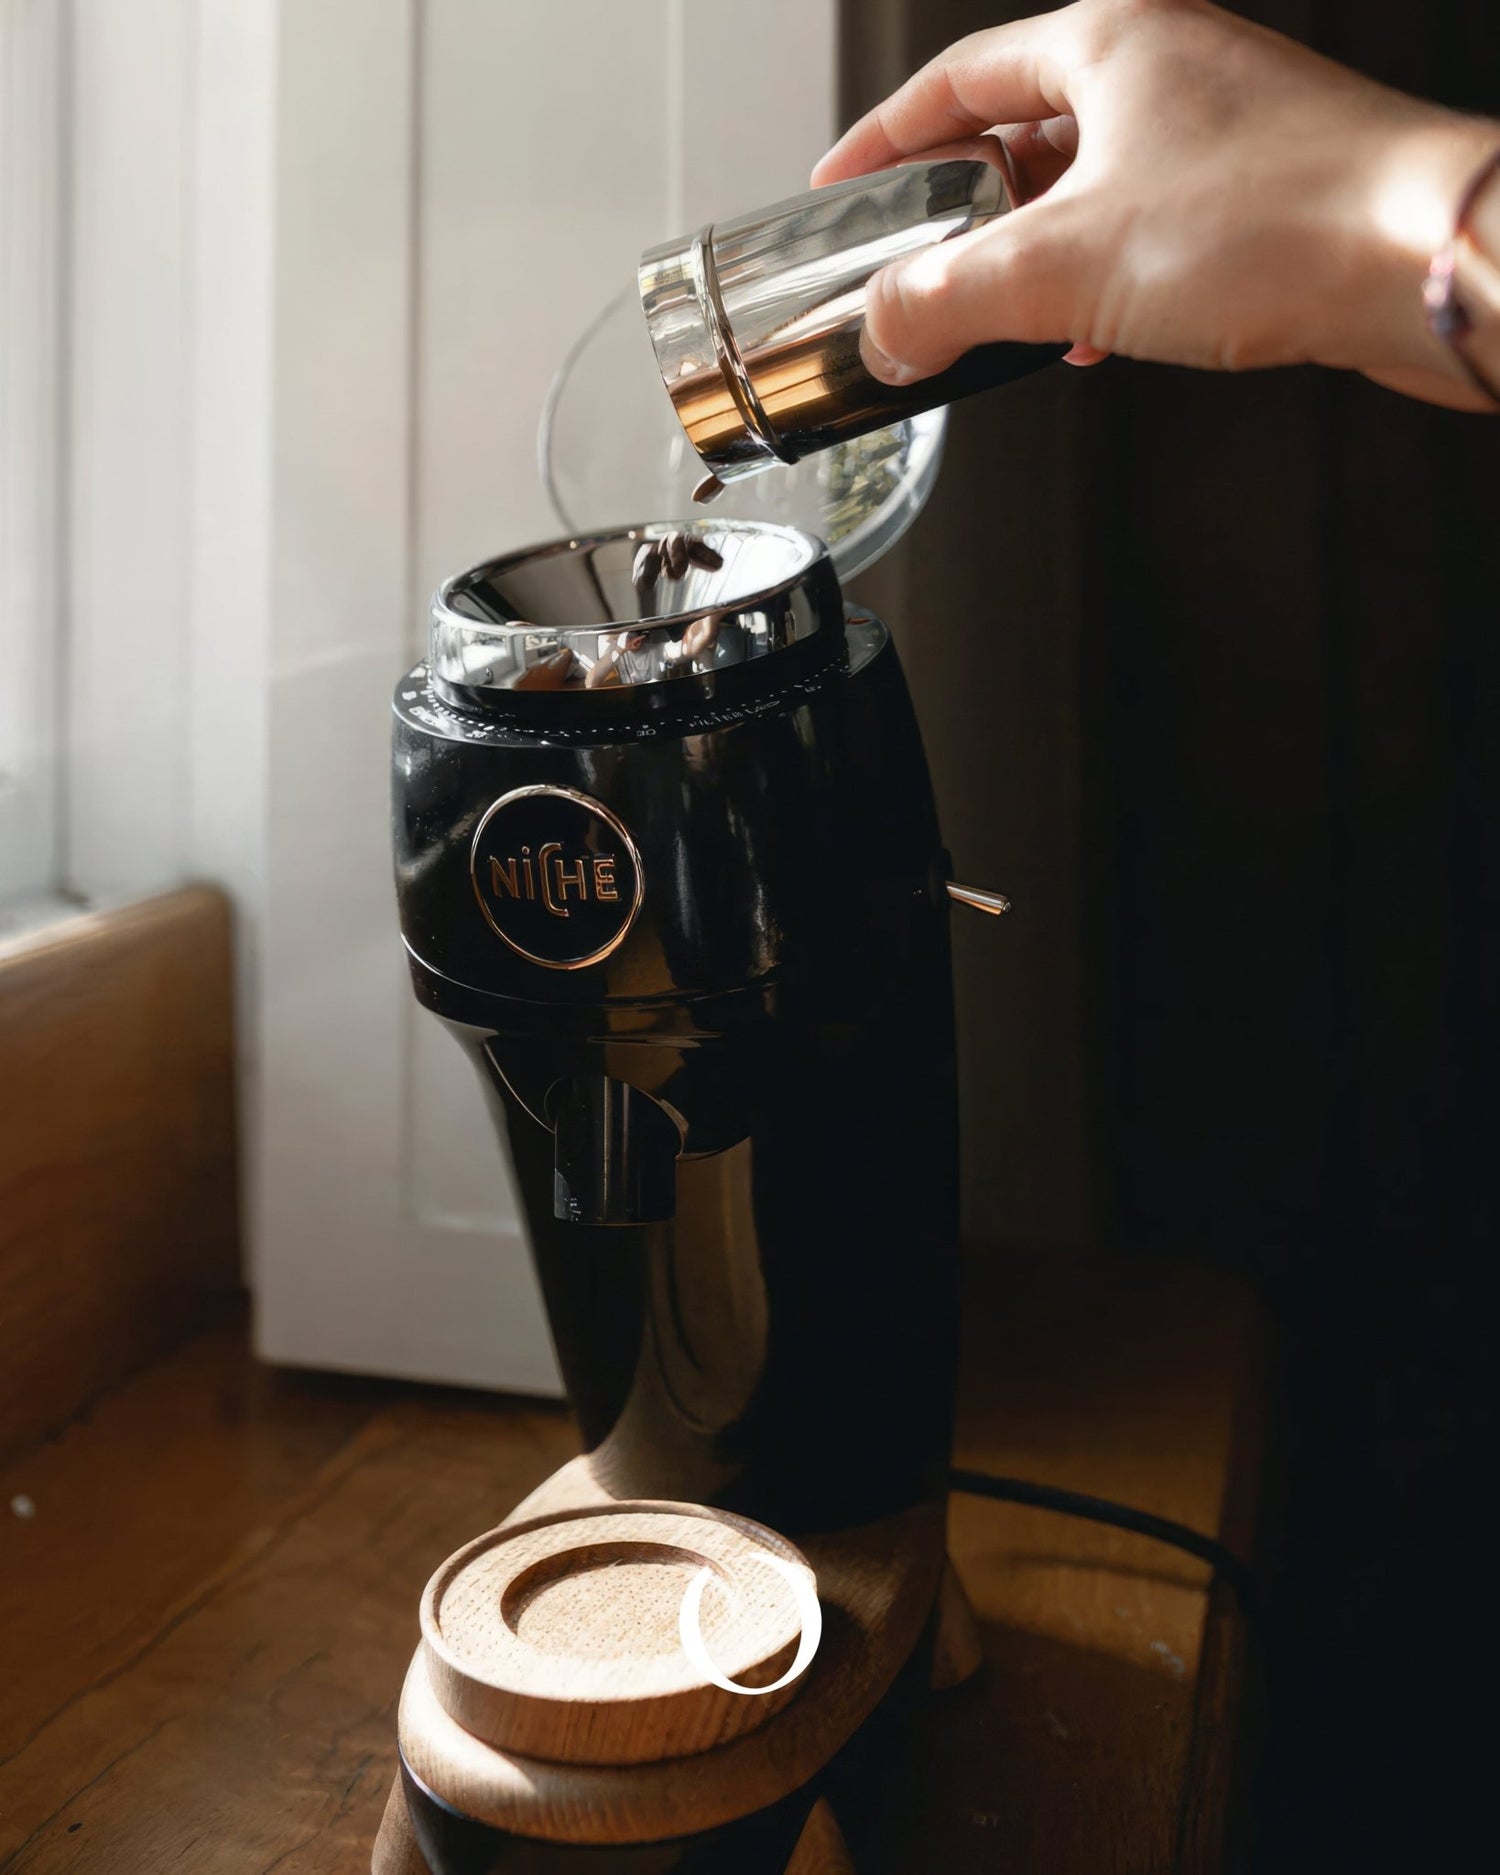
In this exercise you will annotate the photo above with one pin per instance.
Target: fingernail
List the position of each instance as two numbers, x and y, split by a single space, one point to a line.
880 365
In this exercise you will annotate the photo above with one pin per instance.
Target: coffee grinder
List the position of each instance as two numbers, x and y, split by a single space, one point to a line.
669 871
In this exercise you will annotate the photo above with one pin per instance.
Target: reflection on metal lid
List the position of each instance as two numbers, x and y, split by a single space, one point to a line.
638 605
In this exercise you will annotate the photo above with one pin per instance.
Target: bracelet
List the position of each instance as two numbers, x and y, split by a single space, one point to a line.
1447 317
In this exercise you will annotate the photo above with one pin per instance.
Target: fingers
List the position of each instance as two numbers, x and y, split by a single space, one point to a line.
1009 75
987 149
1037 155
1017 279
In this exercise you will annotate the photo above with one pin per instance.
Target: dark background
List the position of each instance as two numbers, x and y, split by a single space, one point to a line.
1209 670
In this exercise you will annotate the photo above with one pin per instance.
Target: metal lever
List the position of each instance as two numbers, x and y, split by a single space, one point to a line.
992 902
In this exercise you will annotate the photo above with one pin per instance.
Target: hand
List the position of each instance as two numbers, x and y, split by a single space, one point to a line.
1195 190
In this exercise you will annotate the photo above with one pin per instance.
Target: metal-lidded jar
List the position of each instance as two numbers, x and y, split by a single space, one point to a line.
756 321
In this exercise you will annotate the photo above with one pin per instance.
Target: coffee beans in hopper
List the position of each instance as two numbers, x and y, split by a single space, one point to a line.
669 557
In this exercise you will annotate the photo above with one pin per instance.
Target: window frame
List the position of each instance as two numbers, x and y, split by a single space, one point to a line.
33 270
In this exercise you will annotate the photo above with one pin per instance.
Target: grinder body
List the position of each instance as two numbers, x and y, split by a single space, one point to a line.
734 1131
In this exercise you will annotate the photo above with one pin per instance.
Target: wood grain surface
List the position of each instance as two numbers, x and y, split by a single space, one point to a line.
557 1637
117 1156
206 1622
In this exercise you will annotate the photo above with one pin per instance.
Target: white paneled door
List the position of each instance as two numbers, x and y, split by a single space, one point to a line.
458 187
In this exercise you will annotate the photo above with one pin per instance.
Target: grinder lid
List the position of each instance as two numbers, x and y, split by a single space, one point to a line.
610 447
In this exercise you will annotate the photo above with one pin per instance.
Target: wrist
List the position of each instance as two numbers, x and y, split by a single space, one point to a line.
1464 286
1401 214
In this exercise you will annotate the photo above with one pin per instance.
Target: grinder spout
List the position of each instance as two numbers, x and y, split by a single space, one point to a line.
616 1154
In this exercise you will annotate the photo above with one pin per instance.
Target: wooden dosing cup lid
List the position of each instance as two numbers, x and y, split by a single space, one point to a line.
560 1637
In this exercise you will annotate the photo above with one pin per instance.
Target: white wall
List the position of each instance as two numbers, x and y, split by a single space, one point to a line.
128 442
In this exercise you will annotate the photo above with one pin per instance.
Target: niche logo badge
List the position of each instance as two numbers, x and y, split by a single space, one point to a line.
557 876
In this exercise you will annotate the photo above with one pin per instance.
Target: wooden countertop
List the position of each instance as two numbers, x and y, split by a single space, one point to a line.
207 1614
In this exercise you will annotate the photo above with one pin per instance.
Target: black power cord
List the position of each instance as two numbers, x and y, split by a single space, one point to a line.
1223 1560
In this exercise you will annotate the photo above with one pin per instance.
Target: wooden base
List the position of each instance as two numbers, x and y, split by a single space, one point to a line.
559 1637
877 1587
957 1649
821 1849
396 1851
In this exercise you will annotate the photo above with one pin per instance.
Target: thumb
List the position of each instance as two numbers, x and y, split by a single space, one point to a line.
1015 279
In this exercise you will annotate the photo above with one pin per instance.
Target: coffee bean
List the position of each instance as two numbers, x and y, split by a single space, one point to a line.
647 568
669 557
709 489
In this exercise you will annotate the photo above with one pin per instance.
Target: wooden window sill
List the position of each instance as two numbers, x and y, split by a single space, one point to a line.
118 1202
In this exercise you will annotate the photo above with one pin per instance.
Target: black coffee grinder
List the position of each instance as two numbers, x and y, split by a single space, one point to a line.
669 870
